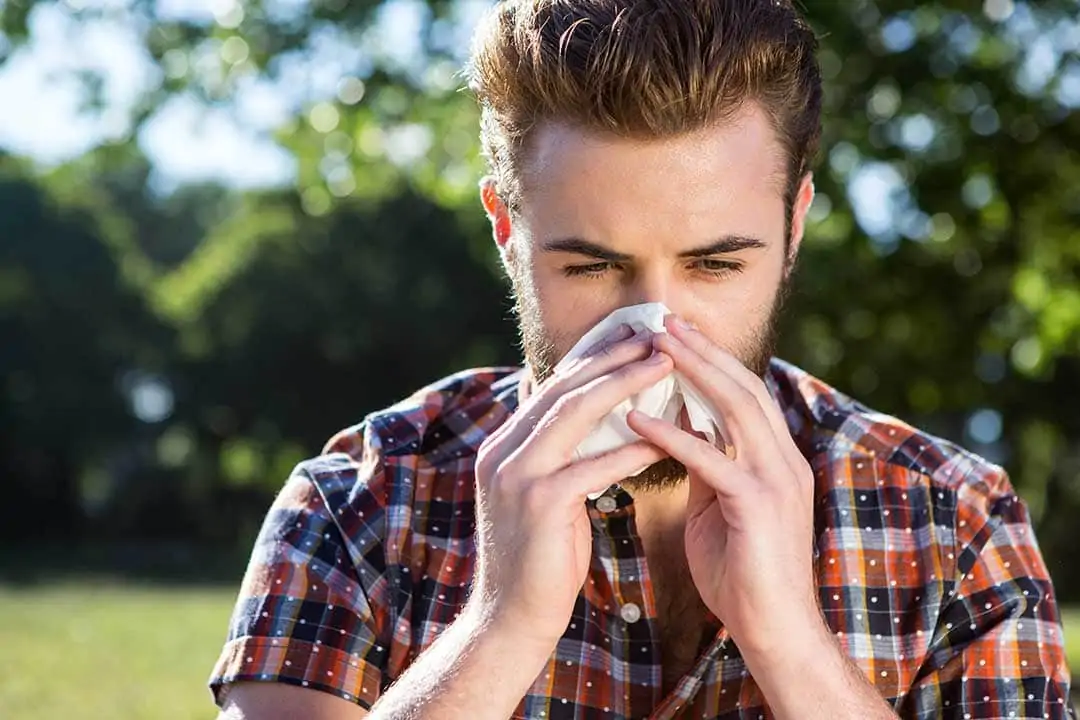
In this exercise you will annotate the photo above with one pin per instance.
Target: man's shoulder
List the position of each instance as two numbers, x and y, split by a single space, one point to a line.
438 424
834 428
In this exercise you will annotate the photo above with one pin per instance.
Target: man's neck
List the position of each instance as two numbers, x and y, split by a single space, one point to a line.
660 511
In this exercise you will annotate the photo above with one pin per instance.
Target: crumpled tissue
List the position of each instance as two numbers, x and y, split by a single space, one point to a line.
663 400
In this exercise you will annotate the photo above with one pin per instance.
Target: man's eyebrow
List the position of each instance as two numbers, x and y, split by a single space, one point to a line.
584 247
726 244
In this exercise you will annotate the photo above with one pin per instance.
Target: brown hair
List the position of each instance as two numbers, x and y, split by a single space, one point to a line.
643 69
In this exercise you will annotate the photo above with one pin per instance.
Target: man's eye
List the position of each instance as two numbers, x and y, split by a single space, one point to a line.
592 269
718 267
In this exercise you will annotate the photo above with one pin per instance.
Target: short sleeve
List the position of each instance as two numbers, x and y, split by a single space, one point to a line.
304 615
998 648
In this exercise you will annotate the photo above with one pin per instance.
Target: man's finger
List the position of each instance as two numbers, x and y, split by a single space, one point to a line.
604 358
725 361
699 497
622 332
749 429
597 474
575 414
699 456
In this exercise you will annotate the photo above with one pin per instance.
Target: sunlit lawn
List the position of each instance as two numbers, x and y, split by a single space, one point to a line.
91 651
94 651
1071 618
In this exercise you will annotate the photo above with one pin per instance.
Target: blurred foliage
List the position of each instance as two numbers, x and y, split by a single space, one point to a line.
166 359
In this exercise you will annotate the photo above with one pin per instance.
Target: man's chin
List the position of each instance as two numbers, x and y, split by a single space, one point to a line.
663 475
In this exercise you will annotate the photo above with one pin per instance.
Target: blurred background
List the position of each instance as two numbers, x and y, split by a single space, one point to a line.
228 230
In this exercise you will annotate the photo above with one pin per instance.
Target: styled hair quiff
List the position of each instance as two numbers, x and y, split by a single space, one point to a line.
642 69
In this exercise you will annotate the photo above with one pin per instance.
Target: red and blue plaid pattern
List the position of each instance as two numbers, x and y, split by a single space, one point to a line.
928 569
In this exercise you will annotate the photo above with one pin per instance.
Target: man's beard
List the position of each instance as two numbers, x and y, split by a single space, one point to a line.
542 355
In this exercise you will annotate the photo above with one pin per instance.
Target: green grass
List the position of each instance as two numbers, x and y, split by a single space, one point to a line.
1070 617
91 651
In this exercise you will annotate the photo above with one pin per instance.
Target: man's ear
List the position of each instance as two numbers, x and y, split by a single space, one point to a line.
497 211
803 200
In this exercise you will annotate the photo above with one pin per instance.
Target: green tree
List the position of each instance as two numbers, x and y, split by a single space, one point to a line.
71 330
938 280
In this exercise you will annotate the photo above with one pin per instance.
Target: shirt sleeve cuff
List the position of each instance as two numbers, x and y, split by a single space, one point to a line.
296 662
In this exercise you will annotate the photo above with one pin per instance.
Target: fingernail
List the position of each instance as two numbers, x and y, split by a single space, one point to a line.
656 358
683 323
671 339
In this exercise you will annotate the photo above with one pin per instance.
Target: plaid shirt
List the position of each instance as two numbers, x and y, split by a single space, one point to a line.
928 570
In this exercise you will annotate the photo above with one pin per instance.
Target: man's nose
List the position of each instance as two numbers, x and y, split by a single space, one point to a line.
649 286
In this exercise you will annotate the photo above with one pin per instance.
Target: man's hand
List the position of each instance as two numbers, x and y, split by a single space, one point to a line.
749 538
749 525
534 540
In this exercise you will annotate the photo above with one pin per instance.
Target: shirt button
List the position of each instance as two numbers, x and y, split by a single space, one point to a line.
630 612
606 504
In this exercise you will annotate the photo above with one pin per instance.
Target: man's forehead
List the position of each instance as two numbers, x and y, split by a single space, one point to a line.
563 152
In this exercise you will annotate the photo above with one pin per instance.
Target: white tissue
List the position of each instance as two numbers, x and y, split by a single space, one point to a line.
663 400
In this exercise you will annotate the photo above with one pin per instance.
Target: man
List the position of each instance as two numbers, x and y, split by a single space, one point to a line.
443 558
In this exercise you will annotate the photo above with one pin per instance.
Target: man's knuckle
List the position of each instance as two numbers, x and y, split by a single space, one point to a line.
487 449
566 405
570 369
630 370
594 363
618 352
535 495
483 466
605 349
702 455
504 472
745 400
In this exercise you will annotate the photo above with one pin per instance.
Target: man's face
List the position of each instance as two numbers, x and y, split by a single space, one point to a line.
695 222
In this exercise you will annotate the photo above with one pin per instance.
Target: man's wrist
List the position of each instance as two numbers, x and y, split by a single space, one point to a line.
476 668
812 677
486 617
801 625
787 655
481 622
